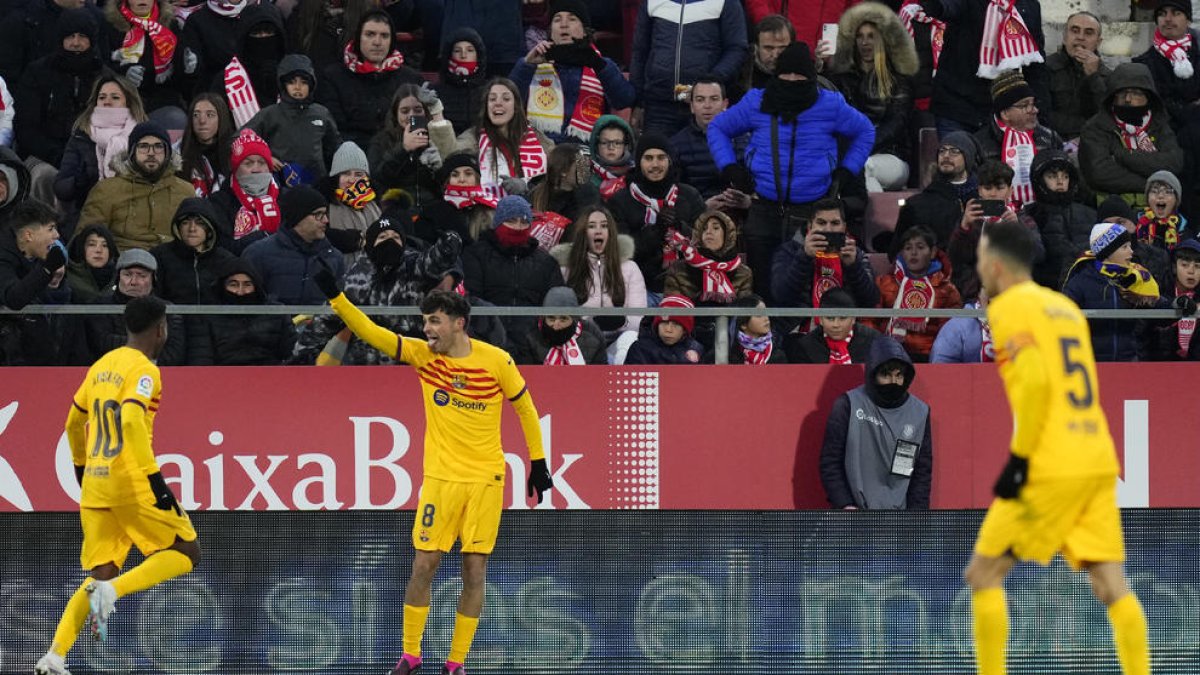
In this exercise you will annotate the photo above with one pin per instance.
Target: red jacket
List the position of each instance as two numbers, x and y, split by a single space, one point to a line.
806 15
945 296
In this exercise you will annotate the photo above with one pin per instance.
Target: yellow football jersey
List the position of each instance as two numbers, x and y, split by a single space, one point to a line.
464 398
1044 350
117 403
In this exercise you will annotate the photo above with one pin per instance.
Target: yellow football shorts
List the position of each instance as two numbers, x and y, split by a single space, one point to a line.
1077 517
109 532
448 510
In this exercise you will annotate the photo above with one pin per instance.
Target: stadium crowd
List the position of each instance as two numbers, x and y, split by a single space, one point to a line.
586 153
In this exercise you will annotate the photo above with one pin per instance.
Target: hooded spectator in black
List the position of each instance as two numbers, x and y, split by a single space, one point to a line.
940 205
240 339
1058 212
14 182
29 31
878 448
460 87
91 263
836 339
261 45
188 265
653 203
560 340
135 279
208 41
299 131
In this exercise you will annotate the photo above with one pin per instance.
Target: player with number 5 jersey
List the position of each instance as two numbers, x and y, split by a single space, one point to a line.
124 500
1058 491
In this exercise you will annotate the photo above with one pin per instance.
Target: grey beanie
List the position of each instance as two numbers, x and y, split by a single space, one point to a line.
1167 178
14 183
136 257
511 208
966 144
347 158
560 296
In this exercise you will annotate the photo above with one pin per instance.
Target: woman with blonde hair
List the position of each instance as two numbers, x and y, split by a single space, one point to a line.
873 67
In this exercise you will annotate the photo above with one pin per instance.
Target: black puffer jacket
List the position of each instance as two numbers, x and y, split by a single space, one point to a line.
240 339
185 275
1059 218
510 277
34 339
462 95
106 332
30 32
531 349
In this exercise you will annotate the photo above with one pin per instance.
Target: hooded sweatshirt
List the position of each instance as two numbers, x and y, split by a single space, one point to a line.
461 93
186 275
240 339
298 131
867 435
88 283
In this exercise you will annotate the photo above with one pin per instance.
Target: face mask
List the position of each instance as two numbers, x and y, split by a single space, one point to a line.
255 184
556 337
510 238
890 394
386 254
1131 114
235 299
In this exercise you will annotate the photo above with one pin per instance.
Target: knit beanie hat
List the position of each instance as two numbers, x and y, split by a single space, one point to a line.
560 296
297 203
1184 6
245 144
576 7
1115 207
149 128
80 20
688 322
348 157
1008 88
837 298
1167 178
379 227
456 160
966 144
136 257
512 207
1106 238
652 141
796 58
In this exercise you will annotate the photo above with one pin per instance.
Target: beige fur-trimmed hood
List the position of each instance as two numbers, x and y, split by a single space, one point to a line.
897 43
625 247
166 13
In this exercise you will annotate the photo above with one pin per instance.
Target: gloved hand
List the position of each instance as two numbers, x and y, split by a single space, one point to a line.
79 474
667 218
1012 478
841 178
164 499
326 281
162 77
539 479
429 98
135 75
1186 305
738 177
451 243
514 186
1128 279
55 258
190 61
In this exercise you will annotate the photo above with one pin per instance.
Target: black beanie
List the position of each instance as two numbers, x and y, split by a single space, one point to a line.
297 203
145 129
456 160
796 58
576 7
1115 207
378 227
1008 88
73 21
1184 6
653 141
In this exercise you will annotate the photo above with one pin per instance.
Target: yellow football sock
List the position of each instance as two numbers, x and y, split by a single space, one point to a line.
991 630
72 620
464 634
414 628
161 566
1130 635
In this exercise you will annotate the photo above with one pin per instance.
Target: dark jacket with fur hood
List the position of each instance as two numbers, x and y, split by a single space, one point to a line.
186 275
889 114
154 94
683 279
86 283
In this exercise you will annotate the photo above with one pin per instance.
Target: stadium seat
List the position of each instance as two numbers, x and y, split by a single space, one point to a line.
928 160
883 209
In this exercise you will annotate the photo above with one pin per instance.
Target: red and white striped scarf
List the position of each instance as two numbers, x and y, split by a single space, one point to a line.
545 108
465 196
357 65
492 170
653 206
1007 43
204 179
839 350
716 285
161 38
1136 137
912 12
243 102
1017 151
1176 52
461 68
610 182
827 274
568 353
257 213
914 293
1186 326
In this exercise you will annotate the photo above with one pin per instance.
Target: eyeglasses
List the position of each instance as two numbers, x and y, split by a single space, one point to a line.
1025 107
949 150
155 148
1161 191
612 144
320 214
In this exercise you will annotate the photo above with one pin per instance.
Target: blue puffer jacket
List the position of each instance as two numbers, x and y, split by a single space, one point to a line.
618 93
708 35
812 139
288 264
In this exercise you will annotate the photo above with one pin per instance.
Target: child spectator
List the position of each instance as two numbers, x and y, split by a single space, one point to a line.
1160 223
751 339
919 281
1056 213
1174 341
965 339
560 340
836 339
612 144
461 85
299 131
669 342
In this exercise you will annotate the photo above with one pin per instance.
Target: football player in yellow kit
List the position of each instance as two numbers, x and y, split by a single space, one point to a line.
1058 492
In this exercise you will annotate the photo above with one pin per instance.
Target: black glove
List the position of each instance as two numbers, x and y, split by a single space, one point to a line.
325 280
1186 305
79 474
163 497
55 259
667 218
842 177
1012 478
1128 279
539 479
738 177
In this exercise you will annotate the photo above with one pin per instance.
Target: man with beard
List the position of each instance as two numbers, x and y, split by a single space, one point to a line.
136 270
796 132
940 205
772 35
139 202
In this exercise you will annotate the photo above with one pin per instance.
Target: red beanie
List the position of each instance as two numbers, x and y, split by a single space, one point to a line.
248 143
688 322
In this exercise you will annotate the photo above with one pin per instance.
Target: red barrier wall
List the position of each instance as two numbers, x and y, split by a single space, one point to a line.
682 437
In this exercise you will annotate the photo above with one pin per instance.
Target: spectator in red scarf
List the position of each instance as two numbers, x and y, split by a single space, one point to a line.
708 270
612 144
1176 341
206 142
920 280
144 48
251 202
464 207
669 341
1174 61
1014 135
561 340
460 87
836 339
752 341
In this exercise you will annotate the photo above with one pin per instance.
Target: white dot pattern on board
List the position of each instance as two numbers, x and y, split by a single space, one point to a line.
633 440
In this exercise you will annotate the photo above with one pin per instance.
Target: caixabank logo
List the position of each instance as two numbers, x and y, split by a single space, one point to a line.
11 489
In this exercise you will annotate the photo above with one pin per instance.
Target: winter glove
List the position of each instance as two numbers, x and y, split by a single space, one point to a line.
162 77
738 177
326 281
667 219
451 243
55 259
539 479
514 186
1012 478
1186 305
135 75
164 499
79 474
429 98
190 61
842 177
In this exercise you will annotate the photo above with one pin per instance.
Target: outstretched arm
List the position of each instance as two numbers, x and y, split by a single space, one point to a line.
368 331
